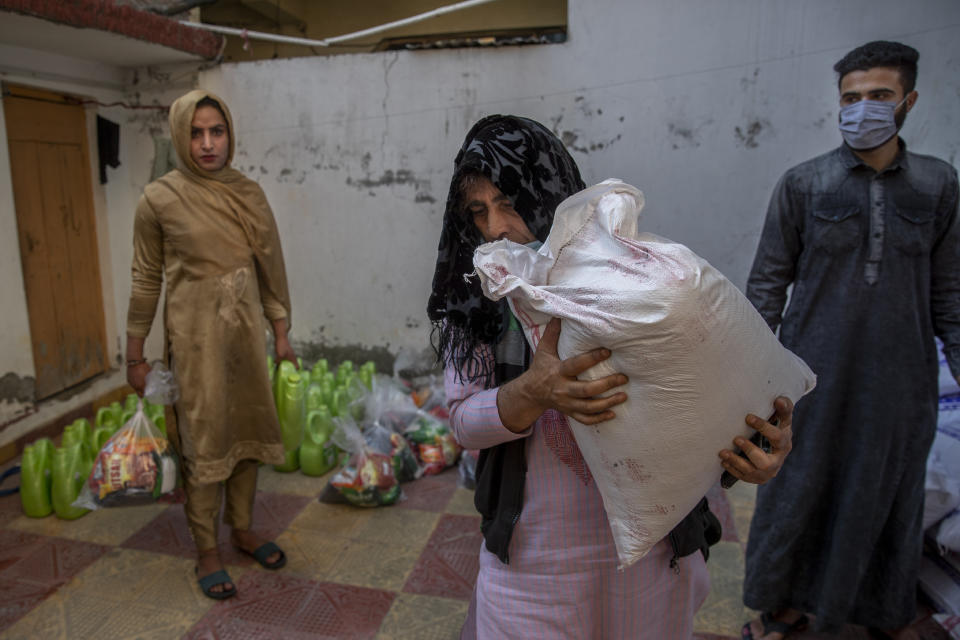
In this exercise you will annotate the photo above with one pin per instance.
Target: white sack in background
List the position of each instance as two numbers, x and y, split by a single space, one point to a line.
948 384
942 499
698 356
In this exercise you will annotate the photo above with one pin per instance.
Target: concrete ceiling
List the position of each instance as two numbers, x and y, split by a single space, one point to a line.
317 20
87 44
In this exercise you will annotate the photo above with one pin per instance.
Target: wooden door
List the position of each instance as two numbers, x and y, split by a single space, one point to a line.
50 170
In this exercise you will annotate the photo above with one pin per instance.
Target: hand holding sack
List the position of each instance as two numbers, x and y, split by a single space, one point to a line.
698 355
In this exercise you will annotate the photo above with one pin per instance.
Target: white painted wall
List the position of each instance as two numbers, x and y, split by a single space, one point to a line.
113 208
701 103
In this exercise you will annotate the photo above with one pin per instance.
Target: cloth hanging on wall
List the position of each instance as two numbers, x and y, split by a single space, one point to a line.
108 146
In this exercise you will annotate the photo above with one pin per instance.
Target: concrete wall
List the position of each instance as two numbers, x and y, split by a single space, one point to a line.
113 207
701 104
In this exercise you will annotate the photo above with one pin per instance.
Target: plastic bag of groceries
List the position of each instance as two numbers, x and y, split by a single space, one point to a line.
433 443
368 479
389 404
135 466
698 356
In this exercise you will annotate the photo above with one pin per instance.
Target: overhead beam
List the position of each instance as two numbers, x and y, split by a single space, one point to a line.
272 11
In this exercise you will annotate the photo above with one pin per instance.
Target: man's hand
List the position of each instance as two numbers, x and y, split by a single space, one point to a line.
137 377
760 466
551 383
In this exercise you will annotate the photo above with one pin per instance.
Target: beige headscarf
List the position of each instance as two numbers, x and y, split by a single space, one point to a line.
181 117
243 196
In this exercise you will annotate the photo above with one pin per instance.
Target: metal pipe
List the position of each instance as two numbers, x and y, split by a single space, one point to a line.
171 10
326 42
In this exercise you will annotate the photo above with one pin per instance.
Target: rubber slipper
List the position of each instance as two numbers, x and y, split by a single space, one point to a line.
6 474
775 626
266 550
209 581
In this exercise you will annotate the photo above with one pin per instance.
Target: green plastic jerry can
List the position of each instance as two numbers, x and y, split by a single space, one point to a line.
79 433
343 370
320 368
367 370
318 454
292 411
83 426
35 478
70 471
157 416
100 436
315 396
109 416
284 369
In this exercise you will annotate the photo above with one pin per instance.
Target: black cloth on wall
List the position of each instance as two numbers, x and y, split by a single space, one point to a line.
108 146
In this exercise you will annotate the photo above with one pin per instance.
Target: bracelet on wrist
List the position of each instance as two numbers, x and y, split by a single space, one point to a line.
133 363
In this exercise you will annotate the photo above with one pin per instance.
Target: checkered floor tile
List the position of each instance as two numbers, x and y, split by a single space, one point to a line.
394 573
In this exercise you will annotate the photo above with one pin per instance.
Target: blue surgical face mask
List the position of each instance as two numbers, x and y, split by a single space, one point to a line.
867 124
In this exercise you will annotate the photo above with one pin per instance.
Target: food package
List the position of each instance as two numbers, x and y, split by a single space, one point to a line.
698 356
369 479
433 442
136 466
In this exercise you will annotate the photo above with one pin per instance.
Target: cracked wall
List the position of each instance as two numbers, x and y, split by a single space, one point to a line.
701 106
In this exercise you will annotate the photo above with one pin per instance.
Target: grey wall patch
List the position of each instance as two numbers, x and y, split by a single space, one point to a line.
14 388
310 352
747 136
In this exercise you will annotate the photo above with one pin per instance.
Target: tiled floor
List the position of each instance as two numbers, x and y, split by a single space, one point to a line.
392 573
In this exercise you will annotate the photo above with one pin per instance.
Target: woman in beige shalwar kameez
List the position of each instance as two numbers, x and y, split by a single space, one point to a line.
210 232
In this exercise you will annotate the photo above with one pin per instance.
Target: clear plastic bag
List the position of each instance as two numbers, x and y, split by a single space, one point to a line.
368 479
389 404
135 466
160 387
433 442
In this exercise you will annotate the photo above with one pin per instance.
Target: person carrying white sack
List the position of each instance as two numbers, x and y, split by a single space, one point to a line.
548 563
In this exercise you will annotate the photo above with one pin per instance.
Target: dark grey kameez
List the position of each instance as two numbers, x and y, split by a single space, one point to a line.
874 260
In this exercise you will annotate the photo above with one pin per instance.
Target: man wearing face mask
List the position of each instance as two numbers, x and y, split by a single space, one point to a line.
868 236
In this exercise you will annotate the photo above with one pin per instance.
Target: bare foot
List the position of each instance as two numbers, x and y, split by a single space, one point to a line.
786 616
209 562
250 542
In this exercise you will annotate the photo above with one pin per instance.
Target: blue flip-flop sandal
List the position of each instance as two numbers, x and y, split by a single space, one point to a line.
266 550
6 474
209 581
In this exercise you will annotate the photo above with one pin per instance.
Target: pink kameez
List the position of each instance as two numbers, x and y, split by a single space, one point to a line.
562 580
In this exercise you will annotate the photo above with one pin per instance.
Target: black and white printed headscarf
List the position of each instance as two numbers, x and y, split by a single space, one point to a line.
532 168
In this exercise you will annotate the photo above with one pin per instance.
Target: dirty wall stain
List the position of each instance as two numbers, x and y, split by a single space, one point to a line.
571 138
747 135
19 389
